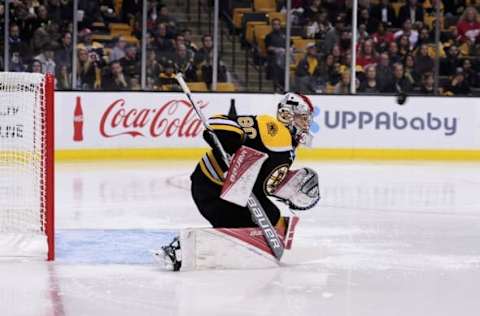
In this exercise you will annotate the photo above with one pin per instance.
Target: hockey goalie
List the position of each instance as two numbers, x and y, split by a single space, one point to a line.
262 150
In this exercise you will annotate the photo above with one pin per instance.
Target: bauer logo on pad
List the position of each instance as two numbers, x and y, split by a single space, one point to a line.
242 174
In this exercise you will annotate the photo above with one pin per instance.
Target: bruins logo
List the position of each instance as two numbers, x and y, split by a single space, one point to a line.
272 129
275 178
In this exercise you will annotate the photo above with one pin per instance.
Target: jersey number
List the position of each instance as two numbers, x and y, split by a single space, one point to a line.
247 122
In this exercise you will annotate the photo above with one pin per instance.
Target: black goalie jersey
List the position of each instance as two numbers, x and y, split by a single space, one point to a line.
263 133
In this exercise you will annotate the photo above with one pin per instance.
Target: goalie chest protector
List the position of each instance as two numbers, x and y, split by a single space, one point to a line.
266 134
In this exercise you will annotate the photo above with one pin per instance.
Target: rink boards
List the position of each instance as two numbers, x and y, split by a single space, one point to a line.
144 125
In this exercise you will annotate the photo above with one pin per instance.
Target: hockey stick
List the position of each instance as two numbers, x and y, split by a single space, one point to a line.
258 213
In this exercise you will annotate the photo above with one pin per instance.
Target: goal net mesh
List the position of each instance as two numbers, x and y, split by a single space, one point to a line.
22 164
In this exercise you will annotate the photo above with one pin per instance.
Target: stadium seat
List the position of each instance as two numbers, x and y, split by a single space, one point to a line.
264 5
197 86
396 7
102 38
120 29
238 15
252 16
330 88
131 40
226 87
277 15
296 59
261 31
249 32
300 45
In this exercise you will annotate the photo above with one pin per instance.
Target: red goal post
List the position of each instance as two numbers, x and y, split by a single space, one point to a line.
27 165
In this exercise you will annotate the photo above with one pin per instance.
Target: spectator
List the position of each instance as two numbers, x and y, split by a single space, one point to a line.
333 35
107 11
308 71
57 10
411 11
16 63
367 54
458 85
409 32
130 8
167 77
184 63
369 83
165 17
319 27
118 51
424 37
410 72
383 70
275 44
130 62
403 46
163 43
469 26
393 53
423 62
63 78
86 69
87 40
369 22
134 84
115 79
153 69
471 76
64 52
47 58
343 86
187 35
16 43
384 13
449 64
427 84
89 13
41 19
310 11
382 37
399 82
327 72
36 67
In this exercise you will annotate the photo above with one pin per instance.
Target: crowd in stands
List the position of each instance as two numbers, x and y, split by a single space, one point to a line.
108 51
395 47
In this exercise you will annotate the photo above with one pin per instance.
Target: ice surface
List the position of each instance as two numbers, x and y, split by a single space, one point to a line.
386 239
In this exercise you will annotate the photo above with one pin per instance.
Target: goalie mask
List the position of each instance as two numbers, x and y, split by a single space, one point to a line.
296 112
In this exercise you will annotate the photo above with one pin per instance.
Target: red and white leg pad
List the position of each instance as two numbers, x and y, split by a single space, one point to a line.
230 248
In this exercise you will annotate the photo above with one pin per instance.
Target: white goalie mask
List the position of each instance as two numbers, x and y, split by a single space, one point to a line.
296 112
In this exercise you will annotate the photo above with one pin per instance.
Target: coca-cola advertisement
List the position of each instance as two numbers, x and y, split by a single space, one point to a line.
140 120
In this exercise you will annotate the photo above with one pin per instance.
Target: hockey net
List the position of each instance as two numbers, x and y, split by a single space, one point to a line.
26 165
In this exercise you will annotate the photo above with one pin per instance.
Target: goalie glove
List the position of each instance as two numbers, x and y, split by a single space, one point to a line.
299 190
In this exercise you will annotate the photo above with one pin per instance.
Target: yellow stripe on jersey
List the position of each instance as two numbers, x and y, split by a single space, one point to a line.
220 116
214 163
230 128
275 136
208 174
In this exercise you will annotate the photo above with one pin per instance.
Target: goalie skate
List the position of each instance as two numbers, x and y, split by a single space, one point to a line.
170 256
